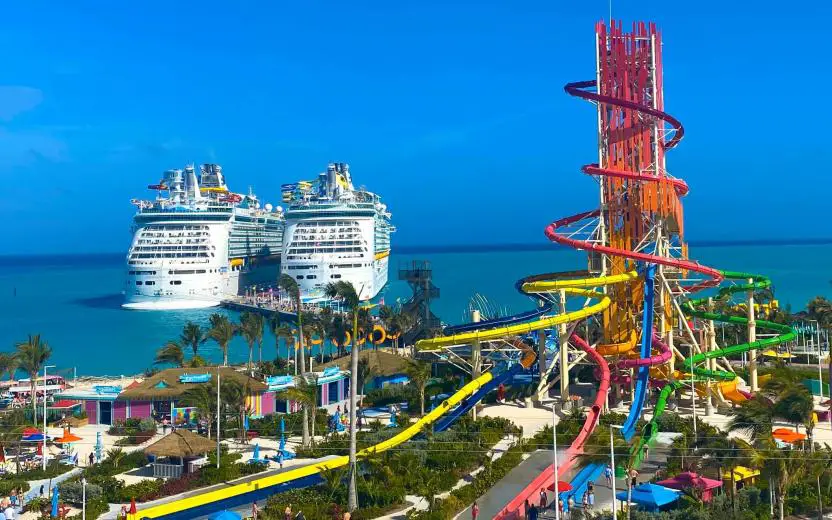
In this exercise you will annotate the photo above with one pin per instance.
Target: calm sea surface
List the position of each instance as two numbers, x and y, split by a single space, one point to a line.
74 302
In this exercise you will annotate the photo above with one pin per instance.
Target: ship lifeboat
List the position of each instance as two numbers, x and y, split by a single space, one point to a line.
237 262
232 198
159 187
378 335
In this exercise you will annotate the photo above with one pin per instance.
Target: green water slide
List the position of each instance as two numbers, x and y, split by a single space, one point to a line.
693 308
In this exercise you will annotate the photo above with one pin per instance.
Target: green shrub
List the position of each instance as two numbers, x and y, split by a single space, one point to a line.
9 484
72 492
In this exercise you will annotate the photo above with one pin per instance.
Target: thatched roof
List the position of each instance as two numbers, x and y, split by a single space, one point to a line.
383 363
180 443
167 385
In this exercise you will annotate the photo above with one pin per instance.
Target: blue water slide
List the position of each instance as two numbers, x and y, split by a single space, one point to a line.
580 482
640 394
505 320
466 405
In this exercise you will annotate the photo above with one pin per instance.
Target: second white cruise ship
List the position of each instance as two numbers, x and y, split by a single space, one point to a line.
335 232
197 242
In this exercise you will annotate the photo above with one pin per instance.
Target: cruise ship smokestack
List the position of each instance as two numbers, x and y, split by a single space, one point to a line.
331 182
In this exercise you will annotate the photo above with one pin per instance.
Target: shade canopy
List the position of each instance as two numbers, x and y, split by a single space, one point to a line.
180 443
225 515
741 473
651 496
688 480
787 435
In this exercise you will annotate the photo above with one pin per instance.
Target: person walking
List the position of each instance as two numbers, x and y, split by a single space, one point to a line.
608 474
475 511
280 458
91 459
287 513
254 510
591 499
543 498
633 477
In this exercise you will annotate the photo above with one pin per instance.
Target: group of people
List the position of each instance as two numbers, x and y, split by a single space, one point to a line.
10 504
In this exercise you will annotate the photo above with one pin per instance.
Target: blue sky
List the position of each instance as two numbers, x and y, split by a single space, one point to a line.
453 111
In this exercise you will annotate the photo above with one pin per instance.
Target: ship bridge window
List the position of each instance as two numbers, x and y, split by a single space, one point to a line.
335 276
299 277
311 276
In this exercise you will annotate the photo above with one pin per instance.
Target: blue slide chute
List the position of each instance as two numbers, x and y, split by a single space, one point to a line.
640 394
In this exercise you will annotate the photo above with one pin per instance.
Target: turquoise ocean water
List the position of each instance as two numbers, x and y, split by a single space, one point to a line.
74 302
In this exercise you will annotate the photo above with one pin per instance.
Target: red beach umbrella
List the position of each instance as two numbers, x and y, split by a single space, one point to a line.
562 486
132 510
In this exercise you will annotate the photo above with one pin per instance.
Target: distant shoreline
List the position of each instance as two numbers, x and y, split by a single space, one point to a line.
106 258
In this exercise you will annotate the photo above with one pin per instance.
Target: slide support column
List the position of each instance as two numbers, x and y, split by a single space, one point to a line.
563 340
476 358
752 337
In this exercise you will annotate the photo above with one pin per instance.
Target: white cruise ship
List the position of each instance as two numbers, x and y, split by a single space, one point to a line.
198 242
335 232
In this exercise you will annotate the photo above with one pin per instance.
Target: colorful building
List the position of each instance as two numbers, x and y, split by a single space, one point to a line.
160 396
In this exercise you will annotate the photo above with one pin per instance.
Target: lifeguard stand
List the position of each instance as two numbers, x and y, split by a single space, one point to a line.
418 274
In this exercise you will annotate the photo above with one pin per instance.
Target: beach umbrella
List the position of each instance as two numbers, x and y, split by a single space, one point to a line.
282 446
2 455
55 498
99 446
225 515
562 486
256 455
132 509
68 437
245 422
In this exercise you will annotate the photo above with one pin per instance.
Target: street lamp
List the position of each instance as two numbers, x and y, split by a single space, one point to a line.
44 409
555 459
612 467
83 498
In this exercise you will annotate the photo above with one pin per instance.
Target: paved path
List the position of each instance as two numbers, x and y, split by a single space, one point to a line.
510 486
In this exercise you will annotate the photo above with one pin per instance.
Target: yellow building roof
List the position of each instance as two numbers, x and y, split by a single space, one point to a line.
742 473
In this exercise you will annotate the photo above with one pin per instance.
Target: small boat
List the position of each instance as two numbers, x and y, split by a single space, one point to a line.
231 197
160 187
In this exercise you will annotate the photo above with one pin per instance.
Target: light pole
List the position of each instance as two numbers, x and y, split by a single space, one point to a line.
44 410
83 498
218 416
820 371
612 467
555 460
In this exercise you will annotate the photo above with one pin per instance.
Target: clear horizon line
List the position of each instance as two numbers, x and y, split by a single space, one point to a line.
506 246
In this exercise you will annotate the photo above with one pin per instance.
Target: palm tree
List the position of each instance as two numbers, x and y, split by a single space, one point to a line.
170 354
204 399
597 451
8 364
724 452
796 407
222 331
325 319
345 291
365 372
290 286
820 309
233 394
31 357
192 336
419 374
338 333
365 323
280 329
115 456
305 394
251 329
782 467
753 418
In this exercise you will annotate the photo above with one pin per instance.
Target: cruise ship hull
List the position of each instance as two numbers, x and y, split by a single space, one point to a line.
196 291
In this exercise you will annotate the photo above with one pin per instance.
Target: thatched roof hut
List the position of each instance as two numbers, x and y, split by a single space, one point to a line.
382 363
173 382
180 443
